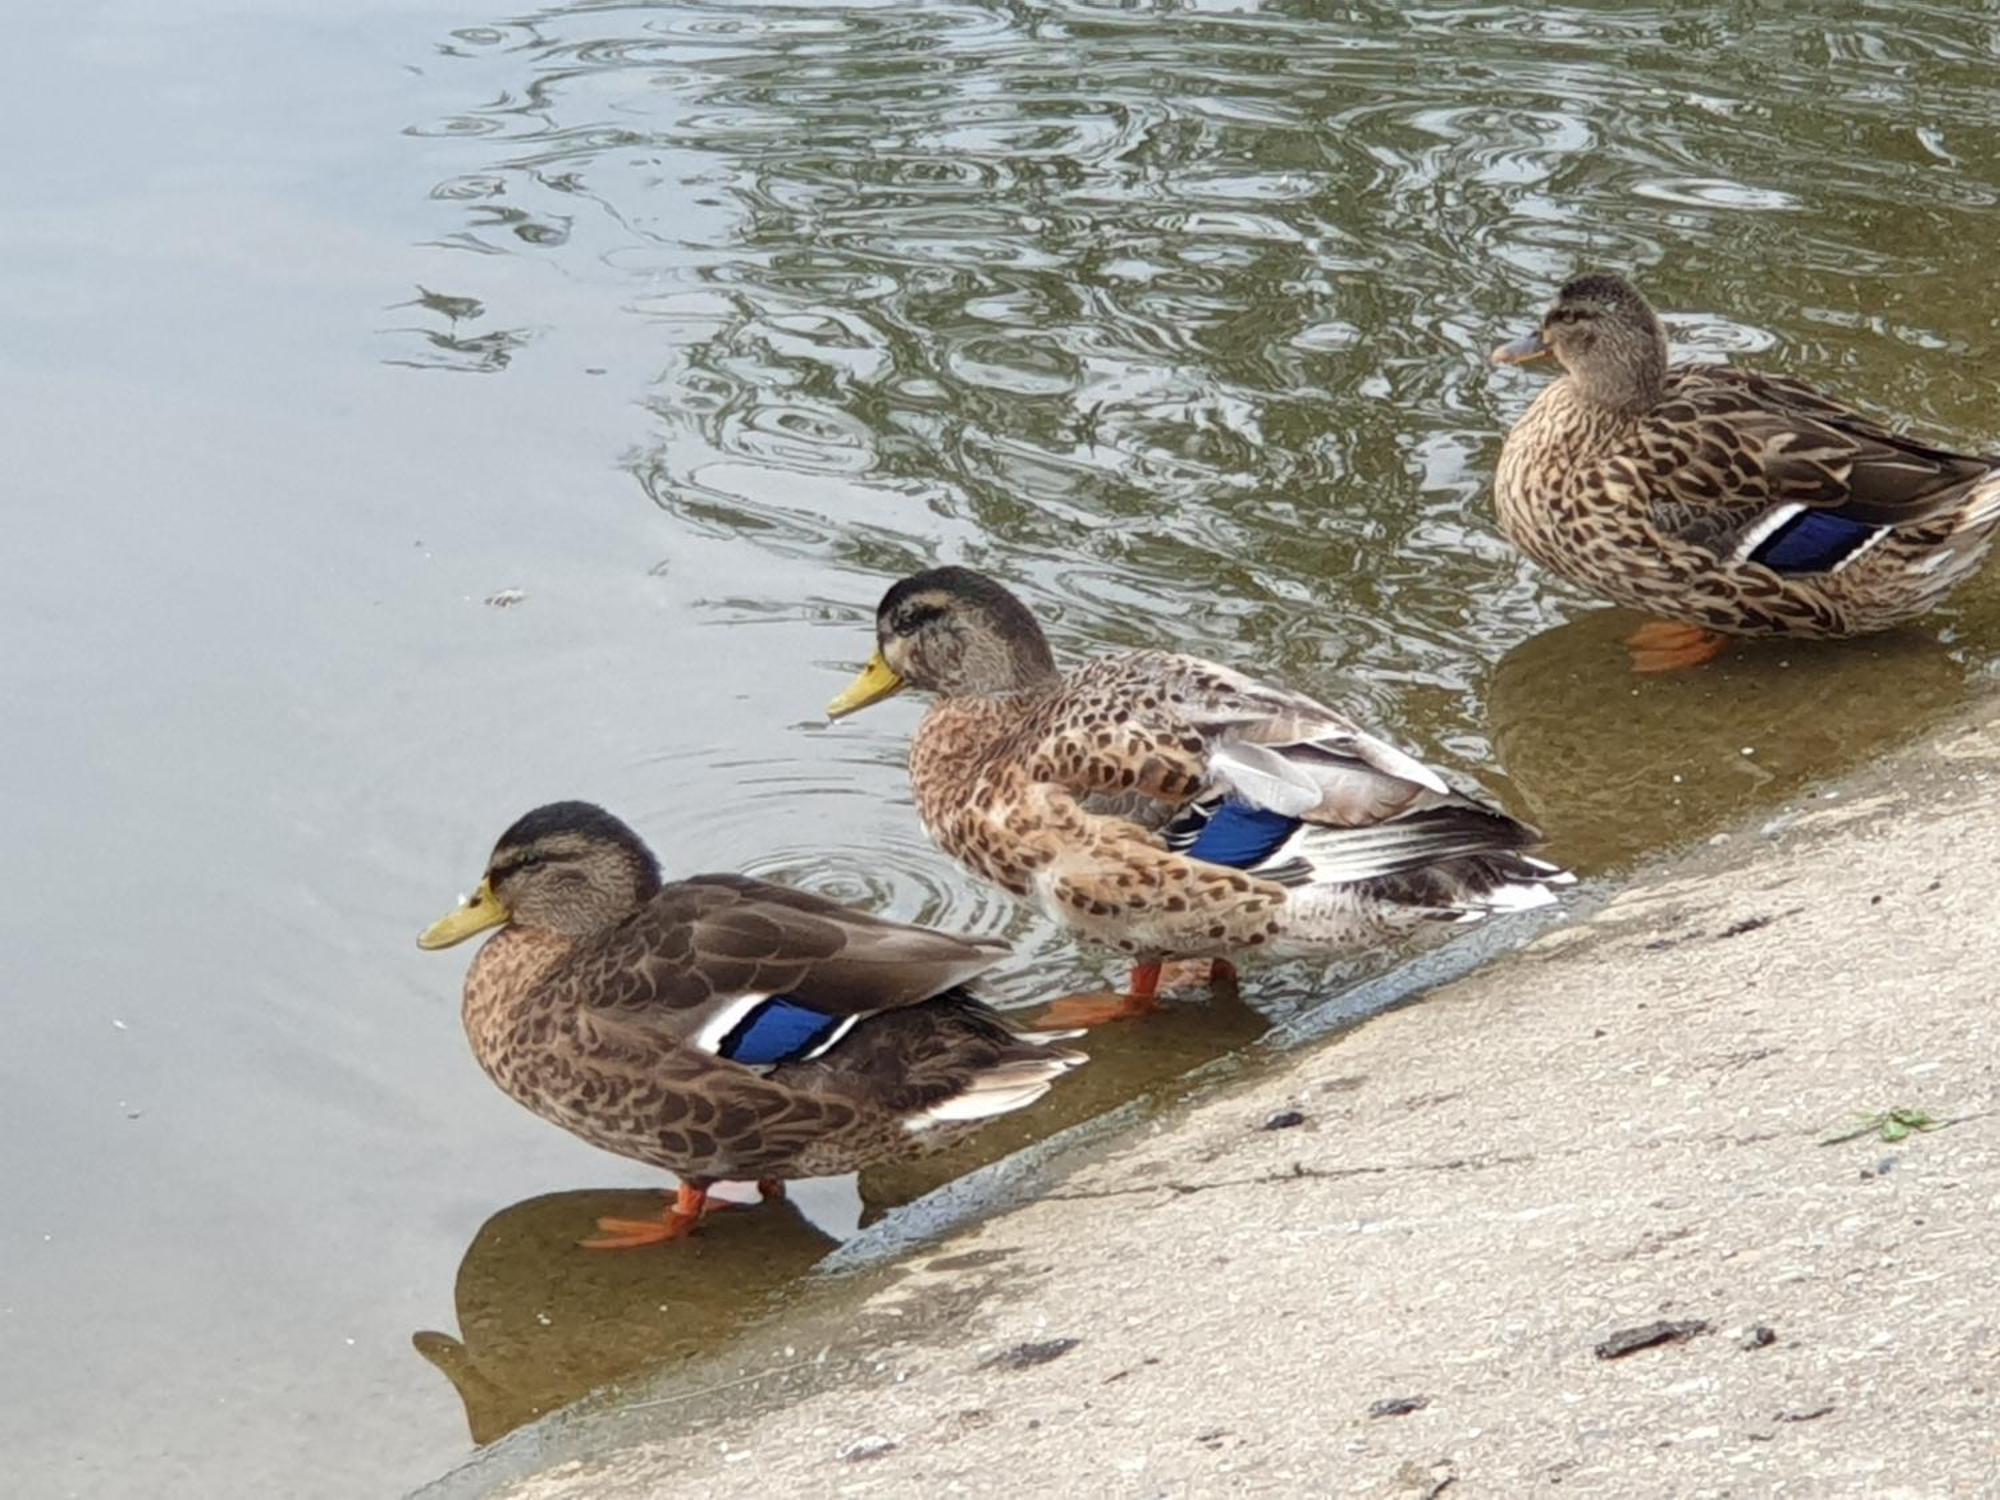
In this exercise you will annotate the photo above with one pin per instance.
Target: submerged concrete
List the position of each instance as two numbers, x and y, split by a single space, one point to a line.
1385 1266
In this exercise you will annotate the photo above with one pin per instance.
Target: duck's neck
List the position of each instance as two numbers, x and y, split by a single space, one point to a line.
1632 382
504 973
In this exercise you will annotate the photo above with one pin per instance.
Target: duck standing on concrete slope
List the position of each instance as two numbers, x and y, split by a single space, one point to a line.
1172 808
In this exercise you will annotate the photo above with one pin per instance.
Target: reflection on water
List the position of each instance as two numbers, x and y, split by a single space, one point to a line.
1615 764
542 1322
1140 1061
1163 311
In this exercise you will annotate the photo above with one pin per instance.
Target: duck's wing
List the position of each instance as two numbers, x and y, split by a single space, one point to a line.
762 974
1158 725
1763 469
1299 792
1259 769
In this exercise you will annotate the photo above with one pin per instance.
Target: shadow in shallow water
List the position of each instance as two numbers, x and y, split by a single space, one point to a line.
543 1322
1615 766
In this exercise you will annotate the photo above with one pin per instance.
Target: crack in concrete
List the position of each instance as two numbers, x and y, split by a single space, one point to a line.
1299 1172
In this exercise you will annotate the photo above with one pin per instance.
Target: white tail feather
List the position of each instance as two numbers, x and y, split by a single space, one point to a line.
999 1091
978 1103
1521 897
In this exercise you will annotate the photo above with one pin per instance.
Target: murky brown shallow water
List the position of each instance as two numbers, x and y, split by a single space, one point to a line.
696 324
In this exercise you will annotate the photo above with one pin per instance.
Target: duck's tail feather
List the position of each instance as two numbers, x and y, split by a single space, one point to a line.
998 1091
1459 862
948 1060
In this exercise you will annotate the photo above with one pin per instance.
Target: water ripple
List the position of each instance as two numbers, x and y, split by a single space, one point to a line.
1180 314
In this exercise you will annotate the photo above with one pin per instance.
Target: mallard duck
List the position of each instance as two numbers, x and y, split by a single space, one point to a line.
1169 807
1727 502
722 1027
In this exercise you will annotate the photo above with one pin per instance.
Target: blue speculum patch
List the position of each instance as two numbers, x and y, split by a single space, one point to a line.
777 1031
1241 836
1814 541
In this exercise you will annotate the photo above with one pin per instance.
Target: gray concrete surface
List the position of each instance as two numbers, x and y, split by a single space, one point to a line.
1625 1122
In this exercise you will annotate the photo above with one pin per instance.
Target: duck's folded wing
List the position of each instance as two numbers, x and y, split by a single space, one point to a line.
1177 728
1767 470
762 973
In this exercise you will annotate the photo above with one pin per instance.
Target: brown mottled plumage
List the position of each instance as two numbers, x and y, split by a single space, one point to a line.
1740 503
1105 796
613 1006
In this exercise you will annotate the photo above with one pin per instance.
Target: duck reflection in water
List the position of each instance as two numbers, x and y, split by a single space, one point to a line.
1618 766
541 1324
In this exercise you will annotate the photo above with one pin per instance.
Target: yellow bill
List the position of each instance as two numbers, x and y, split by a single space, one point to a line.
482 910
878 680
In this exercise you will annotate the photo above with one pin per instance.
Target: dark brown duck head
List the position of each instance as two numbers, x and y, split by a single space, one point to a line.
569 868
953 632
1608 339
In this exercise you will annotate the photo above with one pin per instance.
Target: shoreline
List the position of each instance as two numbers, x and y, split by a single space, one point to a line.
1626 1122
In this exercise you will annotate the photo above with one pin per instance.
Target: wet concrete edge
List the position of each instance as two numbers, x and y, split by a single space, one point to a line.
814 1344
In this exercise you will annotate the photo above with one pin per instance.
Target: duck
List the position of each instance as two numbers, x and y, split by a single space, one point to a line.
1171 808
722 1027
1722 501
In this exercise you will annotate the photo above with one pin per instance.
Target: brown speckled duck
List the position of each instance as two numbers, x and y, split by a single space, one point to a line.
722 1027
1169 807
1727 502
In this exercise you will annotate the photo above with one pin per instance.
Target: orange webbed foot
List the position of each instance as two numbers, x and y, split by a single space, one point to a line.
678 1221
1096 1009
1103 1006
1670 646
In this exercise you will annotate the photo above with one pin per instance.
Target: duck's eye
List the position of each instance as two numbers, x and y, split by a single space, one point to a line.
910 621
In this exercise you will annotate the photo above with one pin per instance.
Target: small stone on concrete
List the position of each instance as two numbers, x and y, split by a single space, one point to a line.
1027 1356
1398 1406
1647 1335
862 1449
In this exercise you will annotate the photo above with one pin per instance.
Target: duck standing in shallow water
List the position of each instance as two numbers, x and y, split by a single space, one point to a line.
1172 808
1724 501
722 1027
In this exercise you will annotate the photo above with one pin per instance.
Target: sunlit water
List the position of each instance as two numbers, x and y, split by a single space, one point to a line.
696 325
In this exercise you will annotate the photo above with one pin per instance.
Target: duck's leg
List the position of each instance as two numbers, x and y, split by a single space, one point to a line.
1669 646
1198 974
1094 1009
677 1222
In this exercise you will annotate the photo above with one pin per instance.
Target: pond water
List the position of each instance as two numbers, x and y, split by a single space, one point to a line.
421 411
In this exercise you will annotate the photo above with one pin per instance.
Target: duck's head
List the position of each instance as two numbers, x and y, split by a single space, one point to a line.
569 867
1606 336
950 631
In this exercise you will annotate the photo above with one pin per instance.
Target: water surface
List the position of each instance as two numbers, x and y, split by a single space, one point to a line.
686 328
